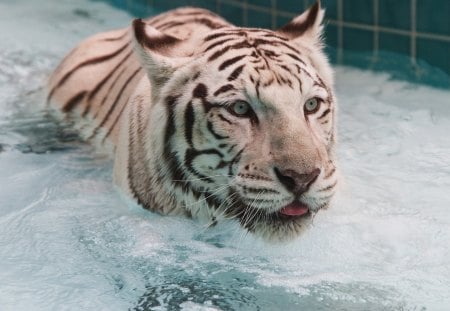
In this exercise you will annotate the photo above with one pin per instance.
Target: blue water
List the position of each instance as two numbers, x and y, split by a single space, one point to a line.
70 241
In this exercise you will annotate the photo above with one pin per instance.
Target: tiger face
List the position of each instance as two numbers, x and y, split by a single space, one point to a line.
250 122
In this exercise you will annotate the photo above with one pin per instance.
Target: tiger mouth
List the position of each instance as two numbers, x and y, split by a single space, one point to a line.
295 209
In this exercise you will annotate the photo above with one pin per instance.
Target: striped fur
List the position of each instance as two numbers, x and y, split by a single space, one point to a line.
210 120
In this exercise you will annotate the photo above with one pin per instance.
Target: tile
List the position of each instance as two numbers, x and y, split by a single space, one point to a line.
262 3
395 43
119 3
232 13
433 16
282 20
140 9
434 52
163 5
330 7
259 19
206 4
309 3
357 39
331 53
395 14
358 11
291 6
331 35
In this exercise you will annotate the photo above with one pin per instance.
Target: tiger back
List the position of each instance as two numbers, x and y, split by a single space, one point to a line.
96 79
211 120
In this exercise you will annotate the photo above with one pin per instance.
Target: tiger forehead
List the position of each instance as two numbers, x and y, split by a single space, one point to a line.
219 43
262 56
244 33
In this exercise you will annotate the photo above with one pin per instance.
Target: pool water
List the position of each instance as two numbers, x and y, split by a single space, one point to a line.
70 241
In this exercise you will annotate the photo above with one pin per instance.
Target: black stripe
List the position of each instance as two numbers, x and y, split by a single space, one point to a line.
111 108
189 119
224 88
286 68
278 43
328 187
231 148
170 157
200 91
195 76
236 159
75 100
272 35
235 74
330 173
213 45
217 35
230 61
190 156
300 70
324 114
239 45
113 125
203 21
88 62
109 91
259 190
209 126
259 201
300 85
132 162
102 83
271 54
224 119
257 88
269 82
116 38
296 58
171 101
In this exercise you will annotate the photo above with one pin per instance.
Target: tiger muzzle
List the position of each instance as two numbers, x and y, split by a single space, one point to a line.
295 182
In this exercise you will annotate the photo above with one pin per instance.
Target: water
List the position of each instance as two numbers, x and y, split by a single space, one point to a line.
69 241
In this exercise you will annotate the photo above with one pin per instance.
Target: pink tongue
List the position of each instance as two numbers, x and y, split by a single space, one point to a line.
294 209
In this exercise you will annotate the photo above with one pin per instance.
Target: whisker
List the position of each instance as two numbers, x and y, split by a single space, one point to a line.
328 187
251 209
207 197
201 178
219 208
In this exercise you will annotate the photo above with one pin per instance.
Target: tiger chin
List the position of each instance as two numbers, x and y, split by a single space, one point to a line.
209 120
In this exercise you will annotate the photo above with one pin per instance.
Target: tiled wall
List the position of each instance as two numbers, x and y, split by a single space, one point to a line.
419 29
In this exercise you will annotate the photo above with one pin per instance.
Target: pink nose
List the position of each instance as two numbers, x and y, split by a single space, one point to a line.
295 182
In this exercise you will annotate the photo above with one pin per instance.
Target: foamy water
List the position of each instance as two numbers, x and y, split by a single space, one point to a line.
69 241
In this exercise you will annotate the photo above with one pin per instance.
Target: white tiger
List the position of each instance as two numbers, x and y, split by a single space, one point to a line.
211 120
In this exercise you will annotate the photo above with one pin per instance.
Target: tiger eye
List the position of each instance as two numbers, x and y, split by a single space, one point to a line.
241 108
311 105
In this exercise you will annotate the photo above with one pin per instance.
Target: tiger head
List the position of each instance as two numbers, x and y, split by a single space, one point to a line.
243 121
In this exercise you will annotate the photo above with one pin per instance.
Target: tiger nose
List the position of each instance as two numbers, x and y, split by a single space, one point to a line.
295 182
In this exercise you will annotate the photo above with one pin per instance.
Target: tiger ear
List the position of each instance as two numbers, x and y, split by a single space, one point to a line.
157 53
307 26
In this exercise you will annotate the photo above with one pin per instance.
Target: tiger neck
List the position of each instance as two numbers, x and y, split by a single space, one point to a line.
141 167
